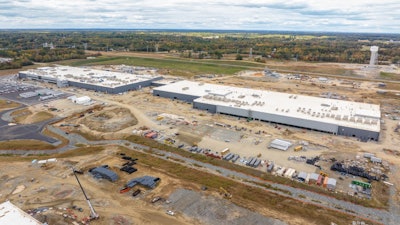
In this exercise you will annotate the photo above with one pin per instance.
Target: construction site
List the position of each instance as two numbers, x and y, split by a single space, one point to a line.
331 136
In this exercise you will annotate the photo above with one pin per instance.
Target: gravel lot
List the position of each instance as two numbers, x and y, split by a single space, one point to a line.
211 211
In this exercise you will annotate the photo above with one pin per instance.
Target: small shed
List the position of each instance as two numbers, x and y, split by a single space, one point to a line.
280 144
102 172
302 176
331 184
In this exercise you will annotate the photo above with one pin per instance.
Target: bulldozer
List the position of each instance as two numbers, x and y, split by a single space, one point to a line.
225 193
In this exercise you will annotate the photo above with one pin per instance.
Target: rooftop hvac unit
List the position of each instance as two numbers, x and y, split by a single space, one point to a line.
332 115
185 88
338 117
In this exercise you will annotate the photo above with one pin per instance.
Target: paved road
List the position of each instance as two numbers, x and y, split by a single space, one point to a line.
391 217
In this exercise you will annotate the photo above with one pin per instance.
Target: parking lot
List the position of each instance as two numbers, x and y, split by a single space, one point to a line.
27 94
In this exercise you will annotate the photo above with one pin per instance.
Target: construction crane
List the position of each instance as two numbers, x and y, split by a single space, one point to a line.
93 214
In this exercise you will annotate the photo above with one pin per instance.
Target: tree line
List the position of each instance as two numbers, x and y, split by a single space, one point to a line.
311 47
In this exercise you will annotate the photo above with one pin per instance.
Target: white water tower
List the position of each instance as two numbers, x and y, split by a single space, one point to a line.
374 56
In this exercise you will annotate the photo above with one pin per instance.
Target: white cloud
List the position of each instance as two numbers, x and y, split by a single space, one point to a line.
304 15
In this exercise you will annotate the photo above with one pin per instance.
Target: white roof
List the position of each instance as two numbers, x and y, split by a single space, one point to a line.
314 176
343 113
302 175
280 144
331 181
11 214
90 76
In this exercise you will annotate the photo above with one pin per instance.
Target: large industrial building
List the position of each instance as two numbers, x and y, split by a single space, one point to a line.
91 79
334 116
11 214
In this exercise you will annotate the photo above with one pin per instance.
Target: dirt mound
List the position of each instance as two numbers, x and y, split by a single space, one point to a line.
110 120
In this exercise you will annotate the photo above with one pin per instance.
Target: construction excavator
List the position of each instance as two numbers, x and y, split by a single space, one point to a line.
93 214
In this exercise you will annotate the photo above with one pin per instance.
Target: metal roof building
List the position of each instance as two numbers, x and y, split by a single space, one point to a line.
98 80
147 181
101 172
334 116
11 214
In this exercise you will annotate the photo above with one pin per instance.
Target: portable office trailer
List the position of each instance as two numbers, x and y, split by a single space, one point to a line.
307 178
281 171
287 173
331 184
231 157
225 151
313 178
251 161
326 181
227 156
320 180
235 158
270 167
302 176
257 163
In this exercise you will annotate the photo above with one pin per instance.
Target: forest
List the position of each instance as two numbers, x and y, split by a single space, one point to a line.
27 46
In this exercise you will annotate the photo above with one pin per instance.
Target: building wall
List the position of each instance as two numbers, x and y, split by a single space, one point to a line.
282 119
363 135
208 107
171 95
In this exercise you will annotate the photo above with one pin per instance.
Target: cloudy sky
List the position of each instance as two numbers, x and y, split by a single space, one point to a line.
293 15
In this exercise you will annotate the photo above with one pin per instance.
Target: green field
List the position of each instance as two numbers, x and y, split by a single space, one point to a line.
173 66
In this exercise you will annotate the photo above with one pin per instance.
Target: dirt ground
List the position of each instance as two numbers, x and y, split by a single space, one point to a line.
53 191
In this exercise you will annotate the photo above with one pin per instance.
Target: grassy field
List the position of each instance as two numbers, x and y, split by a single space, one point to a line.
25 145
4 104
41 116
20 115
76 152
389 76
172 66
243 195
